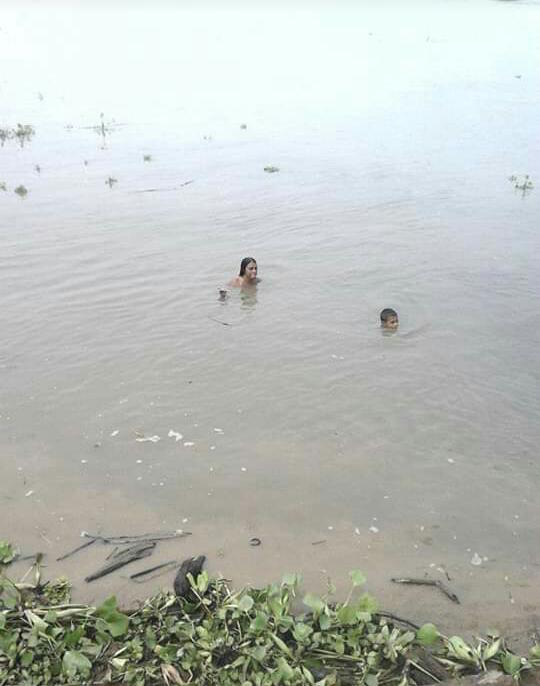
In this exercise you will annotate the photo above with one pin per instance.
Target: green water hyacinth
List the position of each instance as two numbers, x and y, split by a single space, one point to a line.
249 637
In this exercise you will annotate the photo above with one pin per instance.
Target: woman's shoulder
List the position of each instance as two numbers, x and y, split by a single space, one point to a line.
237 281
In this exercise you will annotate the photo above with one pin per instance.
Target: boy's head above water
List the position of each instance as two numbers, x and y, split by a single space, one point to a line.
389 318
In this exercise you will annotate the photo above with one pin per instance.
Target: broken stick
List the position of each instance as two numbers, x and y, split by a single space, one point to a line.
430 582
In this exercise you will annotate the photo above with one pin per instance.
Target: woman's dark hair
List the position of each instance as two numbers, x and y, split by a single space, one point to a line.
245 263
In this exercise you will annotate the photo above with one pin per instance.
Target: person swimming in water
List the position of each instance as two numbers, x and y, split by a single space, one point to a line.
247 277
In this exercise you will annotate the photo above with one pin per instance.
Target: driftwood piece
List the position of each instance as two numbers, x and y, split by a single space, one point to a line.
124 557
192 566
76 550
140 538
429 582
144 572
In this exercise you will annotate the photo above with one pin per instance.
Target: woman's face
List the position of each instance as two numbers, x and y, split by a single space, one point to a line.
251 271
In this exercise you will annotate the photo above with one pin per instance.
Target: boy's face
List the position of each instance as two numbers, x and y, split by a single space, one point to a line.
391 322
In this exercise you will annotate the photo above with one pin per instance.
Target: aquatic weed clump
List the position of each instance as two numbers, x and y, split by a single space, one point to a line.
216 636
23 133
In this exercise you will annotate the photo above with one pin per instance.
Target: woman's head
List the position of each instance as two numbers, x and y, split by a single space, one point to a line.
248 268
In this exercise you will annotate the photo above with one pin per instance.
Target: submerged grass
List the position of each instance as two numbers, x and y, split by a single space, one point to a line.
249 637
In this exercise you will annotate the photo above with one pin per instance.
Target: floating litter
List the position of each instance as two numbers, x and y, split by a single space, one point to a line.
138 461
357 531
374 529
476 560
451 460
212 447
144 439
84 461
174 434
244 469
115 433
28 494
218 431
188 444
330 528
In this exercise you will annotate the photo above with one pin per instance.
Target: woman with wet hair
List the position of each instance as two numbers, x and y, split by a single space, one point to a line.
247 275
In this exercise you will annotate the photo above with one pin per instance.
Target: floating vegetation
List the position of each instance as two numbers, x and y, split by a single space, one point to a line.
111 181
37 168
23 133
3 186
243 126
271 170
521 183
21 191
147 158
214 636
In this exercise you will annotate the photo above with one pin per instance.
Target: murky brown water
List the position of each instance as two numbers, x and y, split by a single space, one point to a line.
395 133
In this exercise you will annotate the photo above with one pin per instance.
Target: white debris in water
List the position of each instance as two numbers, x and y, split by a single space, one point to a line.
174 434
211 469
212 447
138 461
357 531
152 439
386 497
374 529
451 460
188 444
84 461
185 520
330 528
161 483
476 560
218 431
139 478
115 433
244 469
28 494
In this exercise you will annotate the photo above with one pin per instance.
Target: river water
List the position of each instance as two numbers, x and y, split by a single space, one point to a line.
395 130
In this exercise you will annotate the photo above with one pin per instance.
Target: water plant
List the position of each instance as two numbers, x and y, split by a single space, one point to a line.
22 132
21 191
271 170
3 186
111 181
147 158
248 637
523 184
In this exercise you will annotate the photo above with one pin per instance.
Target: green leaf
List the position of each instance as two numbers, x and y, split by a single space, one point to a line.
26 658
281 645
116 623
371 680
325 622
357 577
302 631
259 653
246 603
535 651
314 602
7 552
367 603
511 663
259 623
285 671
75 662
347 614
291 579
427 634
